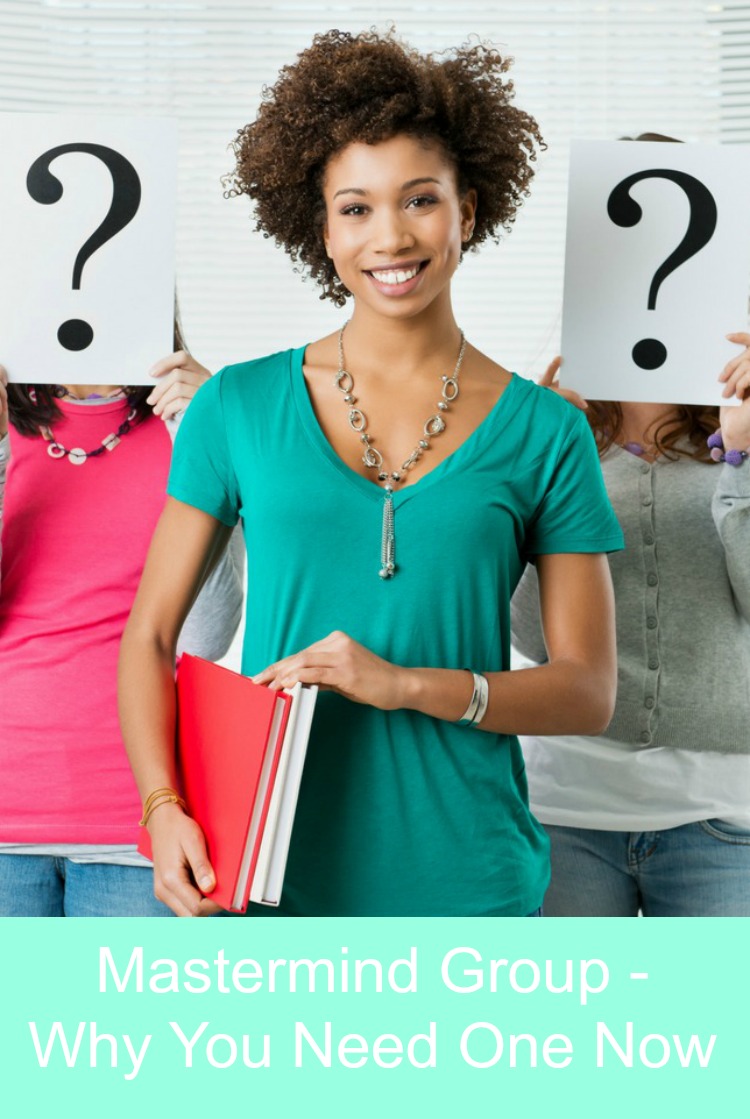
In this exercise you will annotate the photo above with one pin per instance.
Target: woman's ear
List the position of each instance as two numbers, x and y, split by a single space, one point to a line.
326 241
468 207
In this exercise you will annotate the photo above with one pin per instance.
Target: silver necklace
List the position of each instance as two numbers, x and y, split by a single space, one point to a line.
372 457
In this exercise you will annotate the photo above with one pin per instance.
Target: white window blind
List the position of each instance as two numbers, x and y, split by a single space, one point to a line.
584 69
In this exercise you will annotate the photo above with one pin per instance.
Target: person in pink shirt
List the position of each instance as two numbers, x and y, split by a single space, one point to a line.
83 470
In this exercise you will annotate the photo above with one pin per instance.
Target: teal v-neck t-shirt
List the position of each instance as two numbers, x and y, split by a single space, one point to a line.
399 813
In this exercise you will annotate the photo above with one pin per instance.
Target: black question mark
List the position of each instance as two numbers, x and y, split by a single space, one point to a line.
624 211
75 334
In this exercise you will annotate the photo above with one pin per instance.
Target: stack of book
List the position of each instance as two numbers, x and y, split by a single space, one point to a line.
241 750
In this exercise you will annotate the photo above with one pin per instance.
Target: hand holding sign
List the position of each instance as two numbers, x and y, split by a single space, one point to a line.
550 379
735 422
178 378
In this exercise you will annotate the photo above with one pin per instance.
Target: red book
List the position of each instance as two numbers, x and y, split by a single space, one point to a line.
230 733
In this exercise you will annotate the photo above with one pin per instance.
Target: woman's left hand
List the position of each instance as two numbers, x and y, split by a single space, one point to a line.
180 377
735 422
550 379
340 664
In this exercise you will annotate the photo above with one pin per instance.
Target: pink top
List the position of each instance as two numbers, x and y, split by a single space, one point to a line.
74 542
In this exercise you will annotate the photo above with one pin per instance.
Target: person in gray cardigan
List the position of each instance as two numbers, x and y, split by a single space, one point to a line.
653 816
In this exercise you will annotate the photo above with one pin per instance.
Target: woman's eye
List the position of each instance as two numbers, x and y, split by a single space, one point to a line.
354 210
421 200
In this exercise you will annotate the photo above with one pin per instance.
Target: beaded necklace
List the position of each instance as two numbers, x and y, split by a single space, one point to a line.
76 455
373 458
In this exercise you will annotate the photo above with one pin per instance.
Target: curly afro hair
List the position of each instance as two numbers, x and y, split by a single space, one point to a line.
368 88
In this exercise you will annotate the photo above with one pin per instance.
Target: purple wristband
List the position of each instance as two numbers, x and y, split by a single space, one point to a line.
718 454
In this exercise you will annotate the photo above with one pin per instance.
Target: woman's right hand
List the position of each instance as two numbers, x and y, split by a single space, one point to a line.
181 860
3 402
550 380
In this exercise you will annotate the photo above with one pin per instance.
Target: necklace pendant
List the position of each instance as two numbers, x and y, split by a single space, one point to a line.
77 456
388 538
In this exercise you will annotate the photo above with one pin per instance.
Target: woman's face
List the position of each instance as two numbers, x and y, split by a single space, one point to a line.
395 223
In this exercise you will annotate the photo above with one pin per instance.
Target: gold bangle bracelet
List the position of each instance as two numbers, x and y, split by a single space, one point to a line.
155 799
157 792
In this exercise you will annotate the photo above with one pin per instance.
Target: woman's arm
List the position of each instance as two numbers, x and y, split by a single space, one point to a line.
730 507
573 693
731 501
185 548
525 620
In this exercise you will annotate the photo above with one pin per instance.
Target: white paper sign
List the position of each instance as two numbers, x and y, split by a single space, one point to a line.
87 230
657 265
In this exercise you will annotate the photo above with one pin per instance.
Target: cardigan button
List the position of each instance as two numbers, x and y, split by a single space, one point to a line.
645 468
645 736
652 622
653 664
652 580
648 538
649 702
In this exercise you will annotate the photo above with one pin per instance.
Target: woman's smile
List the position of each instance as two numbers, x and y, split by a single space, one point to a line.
398 279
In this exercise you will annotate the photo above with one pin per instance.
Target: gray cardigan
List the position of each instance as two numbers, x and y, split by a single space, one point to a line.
682 588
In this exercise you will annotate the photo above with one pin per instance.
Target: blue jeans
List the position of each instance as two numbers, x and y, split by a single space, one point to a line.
48 886
697 870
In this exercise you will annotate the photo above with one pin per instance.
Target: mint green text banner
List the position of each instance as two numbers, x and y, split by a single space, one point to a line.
370 1017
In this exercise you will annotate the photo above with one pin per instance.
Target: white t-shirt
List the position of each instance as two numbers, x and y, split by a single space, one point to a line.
616 786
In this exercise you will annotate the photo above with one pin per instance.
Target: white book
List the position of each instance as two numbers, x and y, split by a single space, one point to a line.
268 880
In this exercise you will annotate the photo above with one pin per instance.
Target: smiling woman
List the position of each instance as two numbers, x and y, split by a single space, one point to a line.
363 90
385 538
